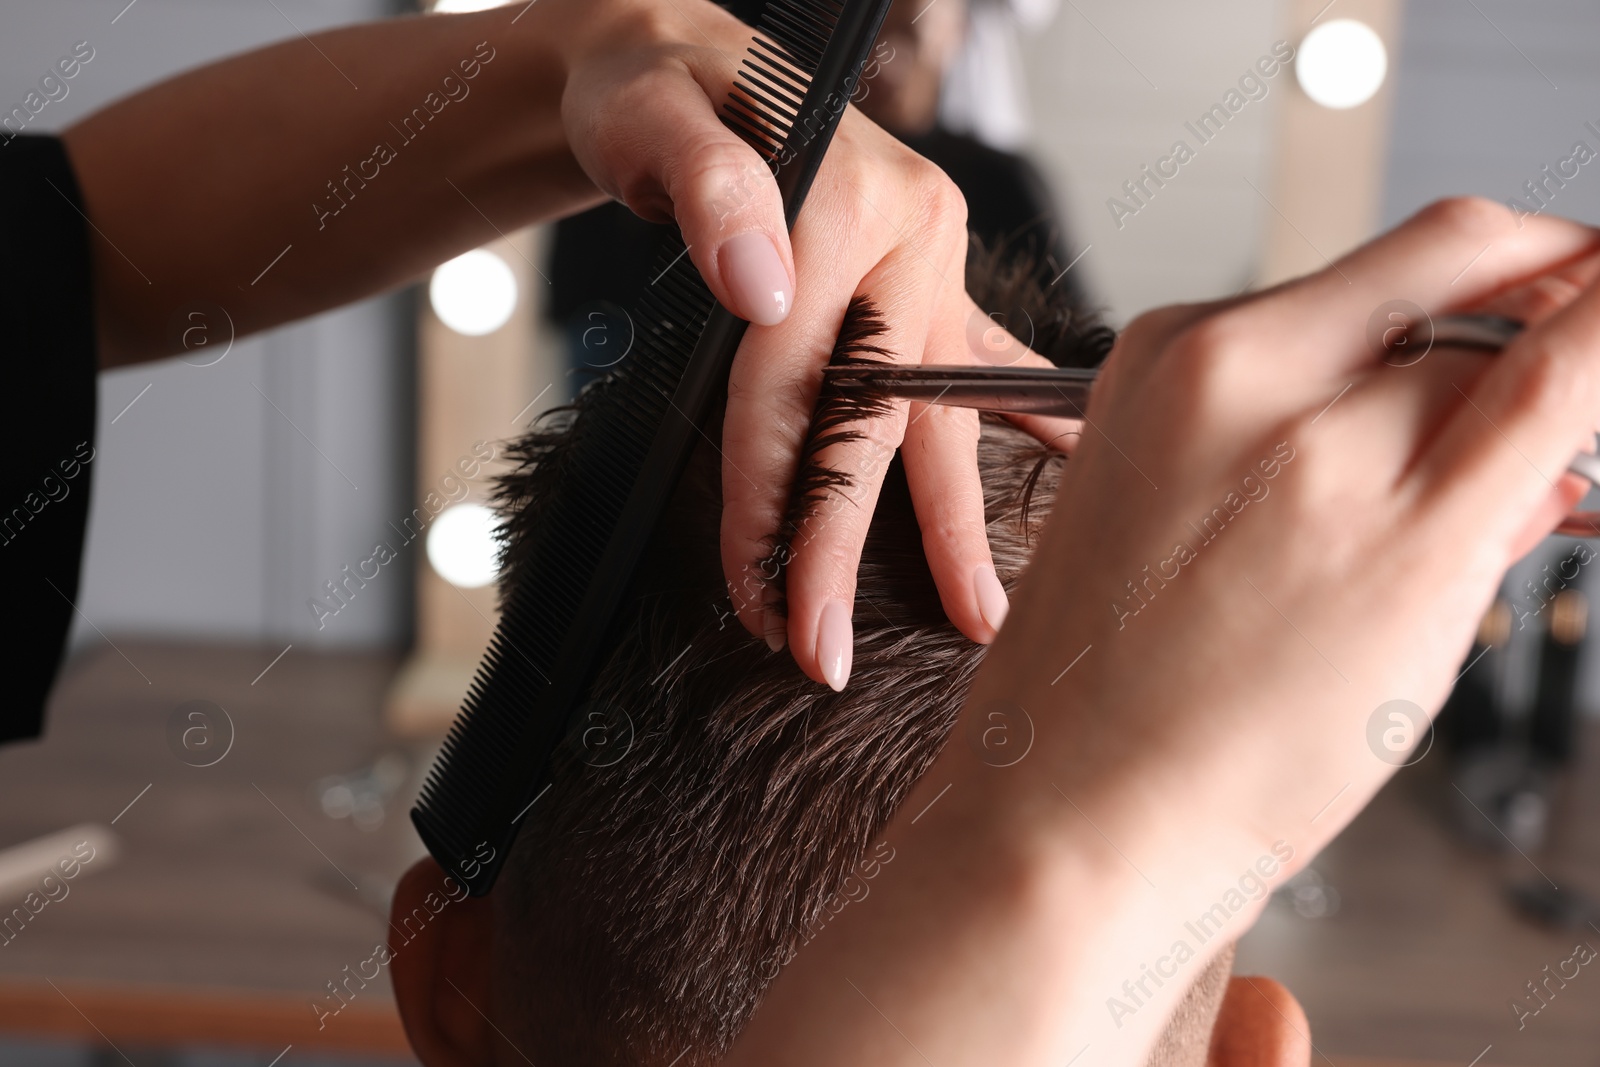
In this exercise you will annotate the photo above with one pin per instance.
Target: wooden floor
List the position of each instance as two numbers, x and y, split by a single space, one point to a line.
1424 954
235 899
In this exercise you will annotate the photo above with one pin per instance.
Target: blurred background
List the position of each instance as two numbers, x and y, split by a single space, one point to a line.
248 711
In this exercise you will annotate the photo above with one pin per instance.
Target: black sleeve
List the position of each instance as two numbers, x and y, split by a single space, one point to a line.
47 349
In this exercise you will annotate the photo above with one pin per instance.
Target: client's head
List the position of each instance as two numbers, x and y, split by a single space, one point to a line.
712 808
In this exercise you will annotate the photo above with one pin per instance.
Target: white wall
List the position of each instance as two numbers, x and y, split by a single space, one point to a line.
1112 85
1485 99
212 516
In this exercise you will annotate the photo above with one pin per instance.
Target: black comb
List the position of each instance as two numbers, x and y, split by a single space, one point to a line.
628 451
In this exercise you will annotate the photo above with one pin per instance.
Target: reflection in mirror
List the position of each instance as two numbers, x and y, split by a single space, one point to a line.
290 579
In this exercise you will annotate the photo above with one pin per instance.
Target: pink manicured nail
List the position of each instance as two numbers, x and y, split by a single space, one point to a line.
834 640
755 275
992 602
776 628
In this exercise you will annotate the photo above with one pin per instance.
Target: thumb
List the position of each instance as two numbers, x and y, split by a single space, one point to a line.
727 205
669 152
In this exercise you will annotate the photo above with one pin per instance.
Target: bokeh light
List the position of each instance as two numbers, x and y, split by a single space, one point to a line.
1341 64
474 294
462 546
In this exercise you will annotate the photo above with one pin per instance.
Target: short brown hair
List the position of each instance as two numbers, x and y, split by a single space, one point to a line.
713 808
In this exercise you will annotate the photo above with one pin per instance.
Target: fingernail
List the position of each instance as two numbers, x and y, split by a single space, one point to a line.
833 643
776 628
992 602
755 274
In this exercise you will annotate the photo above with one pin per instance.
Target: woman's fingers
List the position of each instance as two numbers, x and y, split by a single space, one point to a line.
1052 431
883 223
1556 505
820 579
726 202
941 461
771 392
880 221
655 141
1545 295
1520 422
1451 255
979 338
819 584
940 453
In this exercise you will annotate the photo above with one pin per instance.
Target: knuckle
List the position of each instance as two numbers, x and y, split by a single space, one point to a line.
870 454
717 171
644 24
777 415
1202 355
949 543
1147 333
952 425
1471 214
1217 336
827 543
941 199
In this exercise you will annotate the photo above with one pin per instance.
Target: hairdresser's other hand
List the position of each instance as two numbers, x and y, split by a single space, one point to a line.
1266 536
1328 527
642 106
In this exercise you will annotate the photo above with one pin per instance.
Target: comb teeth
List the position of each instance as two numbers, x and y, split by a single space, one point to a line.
772 81
609 447
626 453
803 29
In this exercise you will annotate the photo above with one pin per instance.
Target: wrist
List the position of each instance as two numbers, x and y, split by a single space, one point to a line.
1098 925
1148 837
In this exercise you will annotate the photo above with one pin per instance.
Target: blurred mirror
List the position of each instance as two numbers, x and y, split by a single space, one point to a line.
196 864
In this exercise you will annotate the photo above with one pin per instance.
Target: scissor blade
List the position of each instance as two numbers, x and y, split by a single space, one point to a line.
1487 333
946 373
1035 397
1058 391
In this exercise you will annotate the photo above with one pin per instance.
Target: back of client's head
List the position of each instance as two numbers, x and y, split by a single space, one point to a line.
721 799
713 808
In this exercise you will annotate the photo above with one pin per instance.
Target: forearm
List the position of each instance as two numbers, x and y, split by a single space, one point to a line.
315 172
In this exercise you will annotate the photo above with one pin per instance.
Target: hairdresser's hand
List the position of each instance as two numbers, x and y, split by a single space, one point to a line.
1328 528
551 106
642 108
1266 535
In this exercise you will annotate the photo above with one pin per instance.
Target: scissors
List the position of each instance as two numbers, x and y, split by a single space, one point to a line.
1064 391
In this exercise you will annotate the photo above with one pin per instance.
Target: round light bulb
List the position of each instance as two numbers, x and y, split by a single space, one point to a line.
1341 64
473 294
462 546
